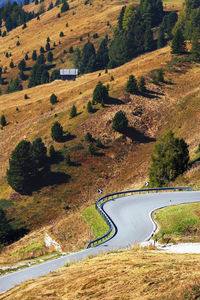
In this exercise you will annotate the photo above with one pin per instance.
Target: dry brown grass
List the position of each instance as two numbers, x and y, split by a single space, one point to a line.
132 274
72 233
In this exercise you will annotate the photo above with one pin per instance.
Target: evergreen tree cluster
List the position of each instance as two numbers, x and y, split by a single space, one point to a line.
170 159
27 164
39 73
13 15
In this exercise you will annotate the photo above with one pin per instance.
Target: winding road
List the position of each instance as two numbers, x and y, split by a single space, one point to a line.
132 217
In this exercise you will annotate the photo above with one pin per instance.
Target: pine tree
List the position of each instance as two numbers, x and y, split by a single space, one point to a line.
131 85
170 159
48 47
57 132
148 39
53 99
73 112
100 93
88 137
34 55
160 75
50 56
121 16
52 152
178 45
195 49
44 77
11 64
3 121
39 152
161 38
41 50
142 85
102 57
22 65
77 58
89 107
64 7
88 56
22 168
120 122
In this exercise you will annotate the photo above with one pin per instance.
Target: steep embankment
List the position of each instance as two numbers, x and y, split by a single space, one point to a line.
131 274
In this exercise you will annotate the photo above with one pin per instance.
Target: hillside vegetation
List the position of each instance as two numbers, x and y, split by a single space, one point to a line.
130 274
123 161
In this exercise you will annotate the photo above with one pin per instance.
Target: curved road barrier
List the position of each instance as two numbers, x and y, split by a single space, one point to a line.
129 213
112 227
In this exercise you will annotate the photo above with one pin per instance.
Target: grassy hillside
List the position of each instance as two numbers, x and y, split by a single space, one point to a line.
130 274
123 162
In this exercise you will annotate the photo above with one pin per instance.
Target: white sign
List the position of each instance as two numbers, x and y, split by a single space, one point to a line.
100 191
146 183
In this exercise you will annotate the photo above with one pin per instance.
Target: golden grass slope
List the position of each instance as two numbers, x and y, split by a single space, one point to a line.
131 274
83 20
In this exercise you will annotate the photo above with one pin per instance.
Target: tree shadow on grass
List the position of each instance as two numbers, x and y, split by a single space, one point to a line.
68 137
151 94
51 178
137 136
114 101
74 164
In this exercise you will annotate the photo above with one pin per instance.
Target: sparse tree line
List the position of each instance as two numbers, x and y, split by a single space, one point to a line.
13 14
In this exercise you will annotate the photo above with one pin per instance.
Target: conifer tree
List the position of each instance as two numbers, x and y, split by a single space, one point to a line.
3 121
34 55
53 99
50 56
73 112
161 38
142 84
148 39
170 159
89 107
100 93
39 152
48 47
22 168
102 57
57 132
195 49
178 45
131 85
120 122
64 7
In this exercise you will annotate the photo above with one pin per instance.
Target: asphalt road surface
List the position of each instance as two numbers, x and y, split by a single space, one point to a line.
132 217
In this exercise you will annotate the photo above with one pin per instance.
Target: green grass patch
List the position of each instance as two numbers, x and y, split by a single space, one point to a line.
180 222
95 221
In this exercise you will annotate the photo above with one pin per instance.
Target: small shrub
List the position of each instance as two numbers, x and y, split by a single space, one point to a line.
61 34
71 50
89 107
53 99
73 112
95 35
3 121
88 137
